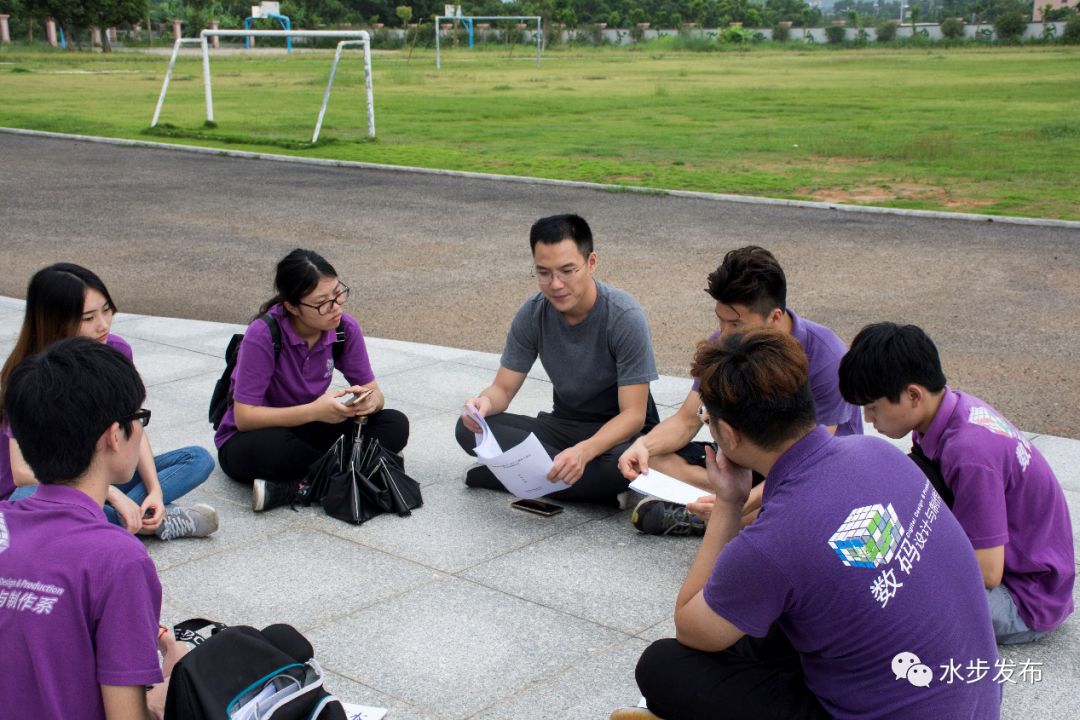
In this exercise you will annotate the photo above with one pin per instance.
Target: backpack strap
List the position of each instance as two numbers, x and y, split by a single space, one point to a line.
338 347
275 332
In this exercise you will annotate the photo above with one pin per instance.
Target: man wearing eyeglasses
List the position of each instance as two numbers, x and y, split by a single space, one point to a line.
79 598
594 343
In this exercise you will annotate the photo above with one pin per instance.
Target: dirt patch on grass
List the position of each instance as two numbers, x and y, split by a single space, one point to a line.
876 194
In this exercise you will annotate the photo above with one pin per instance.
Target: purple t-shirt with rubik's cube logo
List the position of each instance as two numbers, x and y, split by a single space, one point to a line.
858 561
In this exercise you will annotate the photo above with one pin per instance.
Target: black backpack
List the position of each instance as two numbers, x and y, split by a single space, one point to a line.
221 399
236 665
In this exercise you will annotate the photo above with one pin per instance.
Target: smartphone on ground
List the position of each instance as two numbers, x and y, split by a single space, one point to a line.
538 507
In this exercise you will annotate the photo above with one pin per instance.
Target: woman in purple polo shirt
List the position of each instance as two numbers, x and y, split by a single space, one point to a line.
284 416
67 300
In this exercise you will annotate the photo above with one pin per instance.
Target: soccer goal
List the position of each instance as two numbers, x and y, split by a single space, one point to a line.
353 38
468 22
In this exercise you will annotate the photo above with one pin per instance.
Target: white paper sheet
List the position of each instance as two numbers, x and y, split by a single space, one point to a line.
665 487
522 469
486 445
363 712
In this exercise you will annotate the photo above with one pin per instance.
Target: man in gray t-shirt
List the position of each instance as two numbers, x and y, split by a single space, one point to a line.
594 342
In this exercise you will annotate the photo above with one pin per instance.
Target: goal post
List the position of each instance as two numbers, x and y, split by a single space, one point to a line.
468 20
352 38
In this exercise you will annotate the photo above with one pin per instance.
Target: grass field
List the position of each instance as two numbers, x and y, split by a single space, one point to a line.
991 130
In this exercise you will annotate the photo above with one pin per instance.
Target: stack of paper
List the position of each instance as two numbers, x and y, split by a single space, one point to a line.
522 469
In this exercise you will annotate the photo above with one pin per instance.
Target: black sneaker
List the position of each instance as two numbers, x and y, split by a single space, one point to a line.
480 476
654 516
266 494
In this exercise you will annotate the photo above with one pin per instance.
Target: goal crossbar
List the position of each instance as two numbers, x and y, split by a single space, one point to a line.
354 37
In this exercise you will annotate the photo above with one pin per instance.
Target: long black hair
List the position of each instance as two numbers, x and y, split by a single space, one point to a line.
298 273
55 299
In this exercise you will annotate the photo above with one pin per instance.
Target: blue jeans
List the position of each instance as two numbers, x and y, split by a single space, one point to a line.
179 472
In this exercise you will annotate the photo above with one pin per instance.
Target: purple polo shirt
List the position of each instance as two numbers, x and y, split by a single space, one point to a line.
1006 494
299 375
79 606
119 343
823 349
857 559
7 480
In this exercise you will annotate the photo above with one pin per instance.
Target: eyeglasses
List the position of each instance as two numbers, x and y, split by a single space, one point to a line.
141 416
545 276
326 307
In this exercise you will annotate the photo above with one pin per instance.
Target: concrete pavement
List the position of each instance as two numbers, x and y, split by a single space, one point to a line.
466 609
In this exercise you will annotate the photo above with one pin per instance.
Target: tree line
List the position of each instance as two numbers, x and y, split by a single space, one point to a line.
77 15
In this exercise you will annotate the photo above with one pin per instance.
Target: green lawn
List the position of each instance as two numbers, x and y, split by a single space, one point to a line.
991 130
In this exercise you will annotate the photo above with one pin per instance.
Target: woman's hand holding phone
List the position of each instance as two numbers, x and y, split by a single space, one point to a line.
328 408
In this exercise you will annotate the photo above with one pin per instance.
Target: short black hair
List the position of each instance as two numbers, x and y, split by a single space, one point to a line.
758 383
554 229
750 276
884 359
61 400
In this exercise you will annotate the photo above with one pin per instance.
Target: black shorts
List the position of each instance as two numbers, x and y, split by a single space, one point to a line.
694 454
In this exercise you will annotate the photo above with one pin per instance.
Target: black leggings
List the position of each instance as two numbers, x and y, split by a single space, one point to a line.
754 679
284 454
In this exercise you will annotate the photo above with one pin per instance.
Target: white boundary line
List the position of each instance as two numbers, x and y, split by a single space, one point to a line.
744 199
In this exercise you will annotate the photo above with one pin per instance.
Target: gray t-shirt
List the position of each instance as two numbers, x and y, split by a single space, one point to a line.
587 362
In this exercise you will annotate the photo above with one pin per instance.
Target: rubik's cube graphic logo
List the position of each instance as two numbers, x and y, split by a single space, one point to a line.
985 418
869 537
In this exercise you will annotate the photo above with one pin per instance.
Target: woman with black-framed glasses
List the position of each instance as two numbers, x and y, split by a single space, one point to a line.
283 415
67 300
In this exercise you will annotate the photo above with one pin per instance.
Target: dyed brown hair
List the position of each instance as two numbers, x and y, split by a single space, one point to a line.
757 382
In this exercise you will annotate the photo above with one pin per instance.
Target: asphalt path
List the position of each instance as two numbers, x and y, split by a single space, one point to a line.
445 260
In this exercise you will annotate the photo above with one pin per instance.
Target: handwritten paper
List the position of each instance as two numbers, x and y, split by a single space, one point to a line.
363 712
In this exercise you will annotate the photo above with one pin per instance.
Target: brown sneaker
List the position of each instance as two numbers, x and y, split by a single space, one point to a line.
636 713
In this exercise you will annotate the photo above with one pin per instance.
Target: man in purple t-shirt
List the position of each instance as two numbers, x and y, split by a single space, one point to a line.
998 485
750 290
830 603
79 597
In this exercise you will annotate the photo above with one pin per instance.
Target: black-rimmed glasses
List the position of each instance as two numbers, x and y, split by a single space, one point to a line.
327 306
141 416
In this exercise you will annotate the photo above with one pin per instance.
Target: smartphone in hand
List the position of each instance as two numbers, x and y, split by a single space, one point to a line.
354 398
